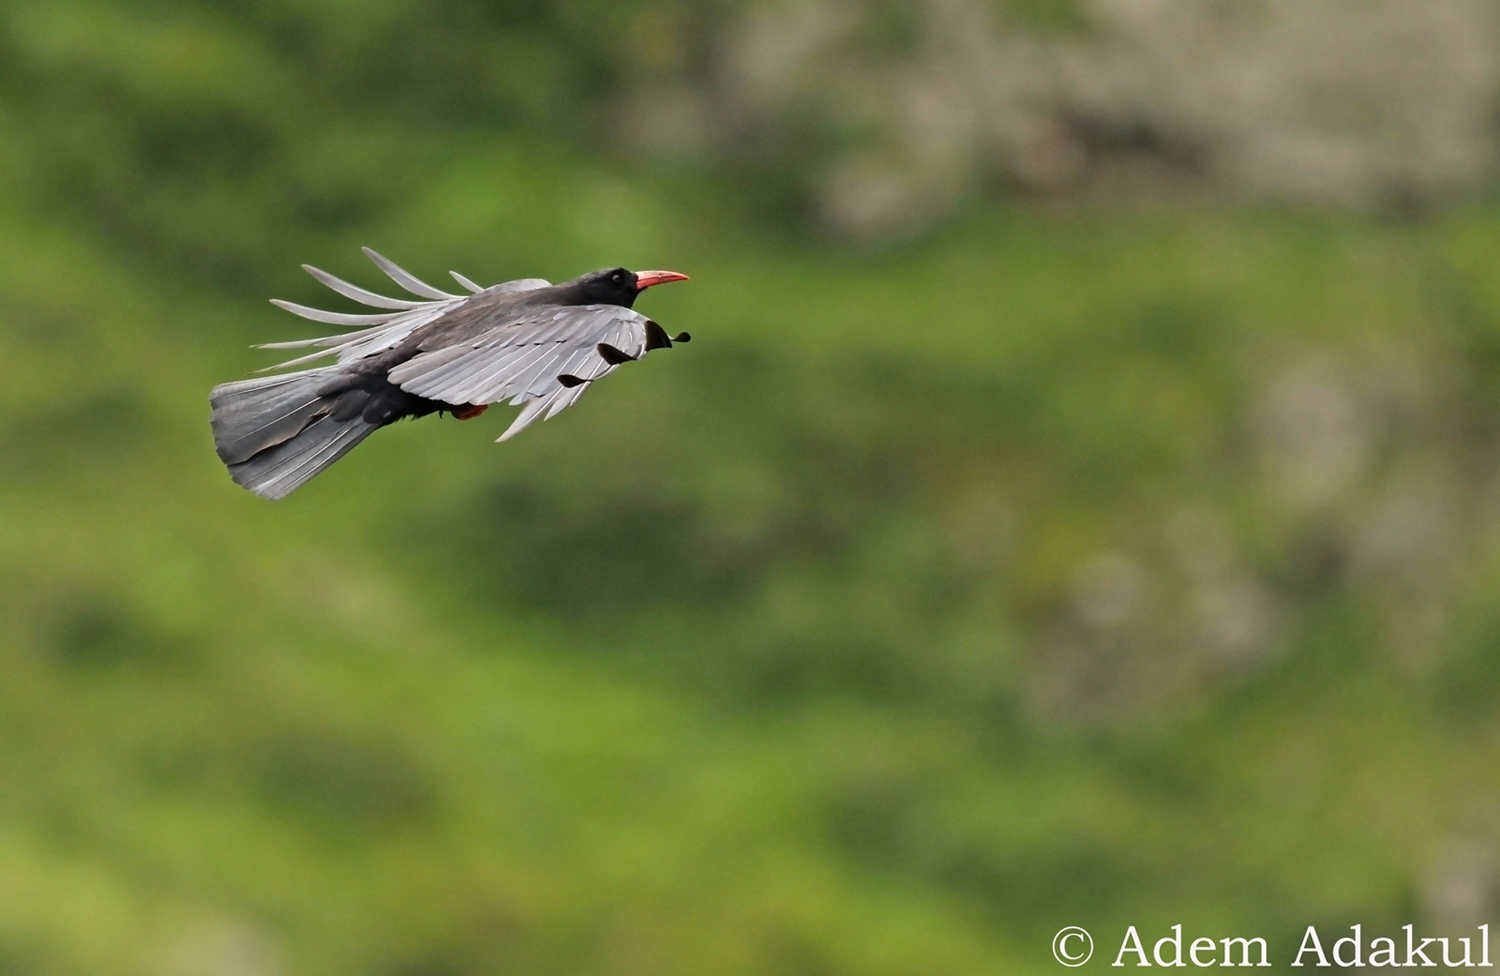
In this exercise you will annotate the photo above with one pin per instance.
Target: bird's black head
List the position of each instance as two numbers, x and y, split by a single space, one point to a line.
619 286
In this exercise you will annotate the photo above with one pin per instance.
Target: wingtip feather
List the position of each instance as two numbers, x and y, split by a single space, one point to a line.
405 278
465 282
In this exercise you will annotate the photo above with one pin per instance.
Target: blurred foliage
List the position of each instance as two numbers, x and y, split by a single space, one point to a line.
1095 566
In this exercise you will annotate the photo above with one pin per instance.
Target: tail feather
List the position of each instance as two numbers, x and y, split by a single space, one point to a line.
277 432
252 415
278 471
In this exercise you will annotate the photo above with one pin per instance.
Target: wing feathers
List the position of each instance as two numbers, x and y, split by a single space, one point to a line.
337 340
565 398
523 419
522 284
523 357
405 278
333 318
466 283
361 295
520 360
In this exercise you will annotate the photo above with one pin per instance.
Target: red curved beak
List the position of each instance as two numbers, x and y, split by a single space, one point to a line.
645 279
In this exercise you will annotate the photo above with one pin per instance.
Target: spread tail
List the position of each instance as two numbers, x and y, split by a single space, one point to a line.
276 432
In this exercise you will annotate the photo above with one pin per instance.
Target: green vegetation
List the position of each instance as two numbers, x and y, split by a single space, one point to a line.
1072 566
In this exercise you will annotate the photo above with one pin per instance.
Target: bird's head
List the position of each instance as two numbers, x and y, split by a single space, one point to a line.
620 286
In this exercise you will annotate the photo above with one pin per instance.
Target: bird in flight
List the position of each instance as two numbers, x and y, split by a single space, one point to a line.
532 343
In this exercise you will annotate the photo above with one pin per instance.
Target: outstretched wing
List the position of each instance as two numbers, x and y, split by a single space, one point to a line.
385 329
544 357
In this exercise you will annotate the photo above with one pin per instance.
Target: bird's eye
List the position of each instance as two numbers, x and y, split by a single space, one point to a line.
617 277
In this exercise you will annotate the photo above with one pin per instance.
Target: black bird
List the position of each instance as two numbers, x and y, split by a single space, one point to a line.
530 342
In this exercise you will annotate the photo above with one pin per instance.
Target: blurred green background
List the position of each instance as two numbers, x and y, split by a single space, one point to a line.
1079 505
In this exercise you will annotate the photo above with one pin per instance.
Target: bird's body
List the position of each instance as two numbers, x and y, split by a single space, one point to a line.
528 342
